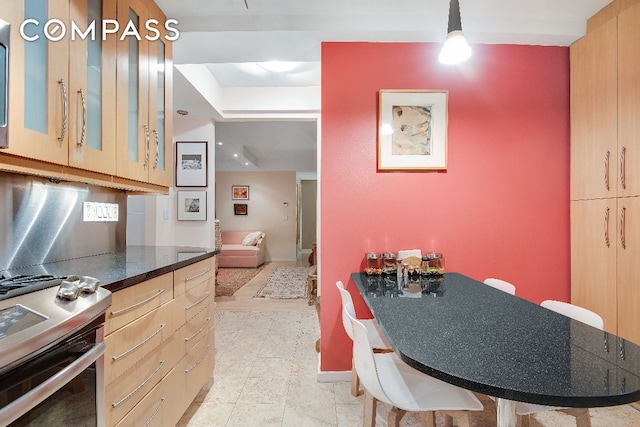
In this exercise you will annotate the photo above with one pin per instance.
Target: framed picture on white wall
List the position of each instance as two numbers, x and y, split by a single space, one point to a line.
192 205
191 163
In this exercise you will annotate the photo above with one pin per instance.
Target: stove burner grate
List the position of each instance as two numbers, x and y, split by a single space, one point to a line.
22 284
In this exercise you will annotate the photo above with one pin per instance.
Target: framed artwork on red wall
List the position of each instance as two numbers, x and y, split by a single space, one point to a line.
412 130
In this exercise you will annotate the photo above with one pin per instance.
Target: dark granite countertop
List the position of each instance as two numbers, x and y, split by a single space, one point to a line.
122 269
474 336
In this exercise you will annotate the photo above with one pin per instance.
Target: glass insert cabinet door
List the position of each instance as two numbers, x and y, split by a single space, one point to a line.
143 94
62 111
92 89
39 82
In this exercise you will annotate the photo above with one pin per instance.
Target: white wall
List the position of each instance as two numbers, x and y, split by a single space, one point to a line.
266 210
154 221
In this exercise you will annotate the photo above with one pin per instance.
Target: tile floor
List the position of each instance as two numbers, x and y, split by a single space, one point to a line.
266 366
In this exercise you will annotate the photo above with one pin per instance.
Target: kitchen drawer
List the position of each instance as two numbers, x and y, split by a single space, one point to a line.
160 407
130 388
192 275
129 345
135 301
196 367
196 328
194 300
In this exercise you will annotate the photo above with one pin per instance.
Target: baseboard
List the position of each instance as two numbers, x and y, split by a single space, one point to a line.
332 376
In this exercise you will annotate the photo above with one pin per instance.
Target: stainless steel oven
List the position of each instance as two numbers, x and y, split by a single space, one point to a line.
52 354
5 32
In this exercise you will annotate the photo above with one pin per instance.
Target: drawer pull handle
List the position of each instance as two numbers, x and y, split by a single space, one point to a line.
199 330
137 389
606 227
200 301
188 279
140 344
606 169
156 412
199 361
138 304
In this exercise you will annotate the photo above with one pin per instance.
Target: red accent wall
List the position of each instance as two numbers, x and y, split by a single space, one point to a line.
501 209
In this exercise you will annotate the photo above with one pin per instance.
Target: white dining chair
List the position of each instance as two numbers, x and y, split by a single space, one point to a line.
581 314
503 285
376 336
385 377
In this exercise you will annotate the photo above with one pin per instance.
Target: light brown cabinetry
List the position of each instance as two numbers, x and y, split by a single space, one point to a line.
160 346
144 82
605 172
60 113
72 99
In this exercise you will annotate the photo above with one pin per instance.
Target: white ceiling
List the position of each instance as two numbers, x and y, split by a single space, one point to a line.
228 38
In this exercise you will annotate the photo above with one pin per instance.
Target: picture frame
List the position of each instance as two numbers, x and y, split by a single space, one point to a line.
240 209
191 163
412 130
239 192
192 205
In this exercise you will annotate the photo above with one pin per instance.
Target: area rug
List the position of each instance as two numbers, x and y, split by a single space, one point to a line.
229 280
285 283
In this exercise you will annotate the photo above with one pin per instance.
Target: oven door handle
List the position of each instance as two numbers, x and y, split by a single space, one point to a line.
24 404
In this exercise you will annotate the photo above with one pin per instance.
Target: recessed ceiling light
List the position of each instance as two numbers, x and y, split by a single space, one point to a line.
182 112
219 143
279 66
235 154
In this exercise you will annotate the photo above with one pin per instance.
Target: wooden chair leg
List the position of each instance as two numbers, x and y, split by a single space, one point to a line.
463 418
428 419
355 381
394 417
583 418
370 402
522 420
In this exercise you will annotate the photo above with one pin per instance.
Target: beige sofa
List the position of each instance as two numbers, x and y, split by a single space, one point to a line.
241 249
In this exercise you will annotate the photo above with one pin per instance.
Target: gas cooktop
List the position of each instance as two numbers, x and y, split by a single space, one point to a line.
23 284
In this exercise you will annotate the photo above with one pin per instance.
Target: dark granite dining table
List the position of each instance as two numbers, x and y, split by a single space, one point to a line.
466 333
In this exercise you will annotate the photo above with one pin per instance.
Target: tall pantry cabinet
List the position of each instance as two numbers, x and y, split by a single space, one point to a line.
605 172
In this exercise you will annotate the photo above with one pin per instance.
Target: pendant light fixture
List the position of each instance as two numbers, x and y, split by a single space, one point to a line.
455 49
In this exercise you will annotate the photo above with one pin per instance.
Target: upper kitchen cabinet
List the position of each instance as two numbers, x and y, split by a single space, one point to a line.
62 107
593 114
605 109
629 102
39 70
92 94
144 96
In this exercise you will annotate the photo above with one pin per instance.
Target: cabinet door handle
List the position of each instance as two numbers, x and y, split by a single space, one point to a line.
146 156
84 117
63 84
623 166
606 227
623 242
155 135
606 169
140 344
199 361
138 304
137 389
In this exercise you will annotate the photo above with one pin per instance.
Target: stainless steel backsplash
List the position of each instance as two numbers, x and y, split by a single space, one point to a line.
41 221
